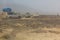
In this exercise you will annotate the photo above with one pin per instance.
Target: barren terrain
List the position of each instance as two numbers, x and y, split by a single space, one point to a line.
30 29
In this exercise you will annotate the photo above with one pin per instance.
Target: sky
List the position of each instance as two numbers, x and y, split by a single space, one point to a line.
36 5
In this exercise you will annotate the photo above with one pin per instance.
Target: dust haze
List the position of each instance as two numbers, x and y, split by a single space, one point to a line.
29 20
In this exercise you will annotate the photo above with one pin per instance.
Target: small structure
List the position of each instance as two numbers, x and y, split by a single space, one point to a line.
3 15
10 14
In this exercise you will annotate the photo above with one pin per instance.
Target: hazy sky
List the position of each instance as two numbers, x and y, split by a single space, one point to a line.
40 5
44 5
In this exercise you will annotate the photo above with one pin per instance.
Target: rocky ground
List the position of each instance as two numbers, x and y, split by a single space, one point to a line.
30 29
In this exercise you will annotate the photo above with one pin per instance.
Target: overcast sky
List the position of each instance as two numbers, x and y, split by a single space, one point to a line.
40 5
